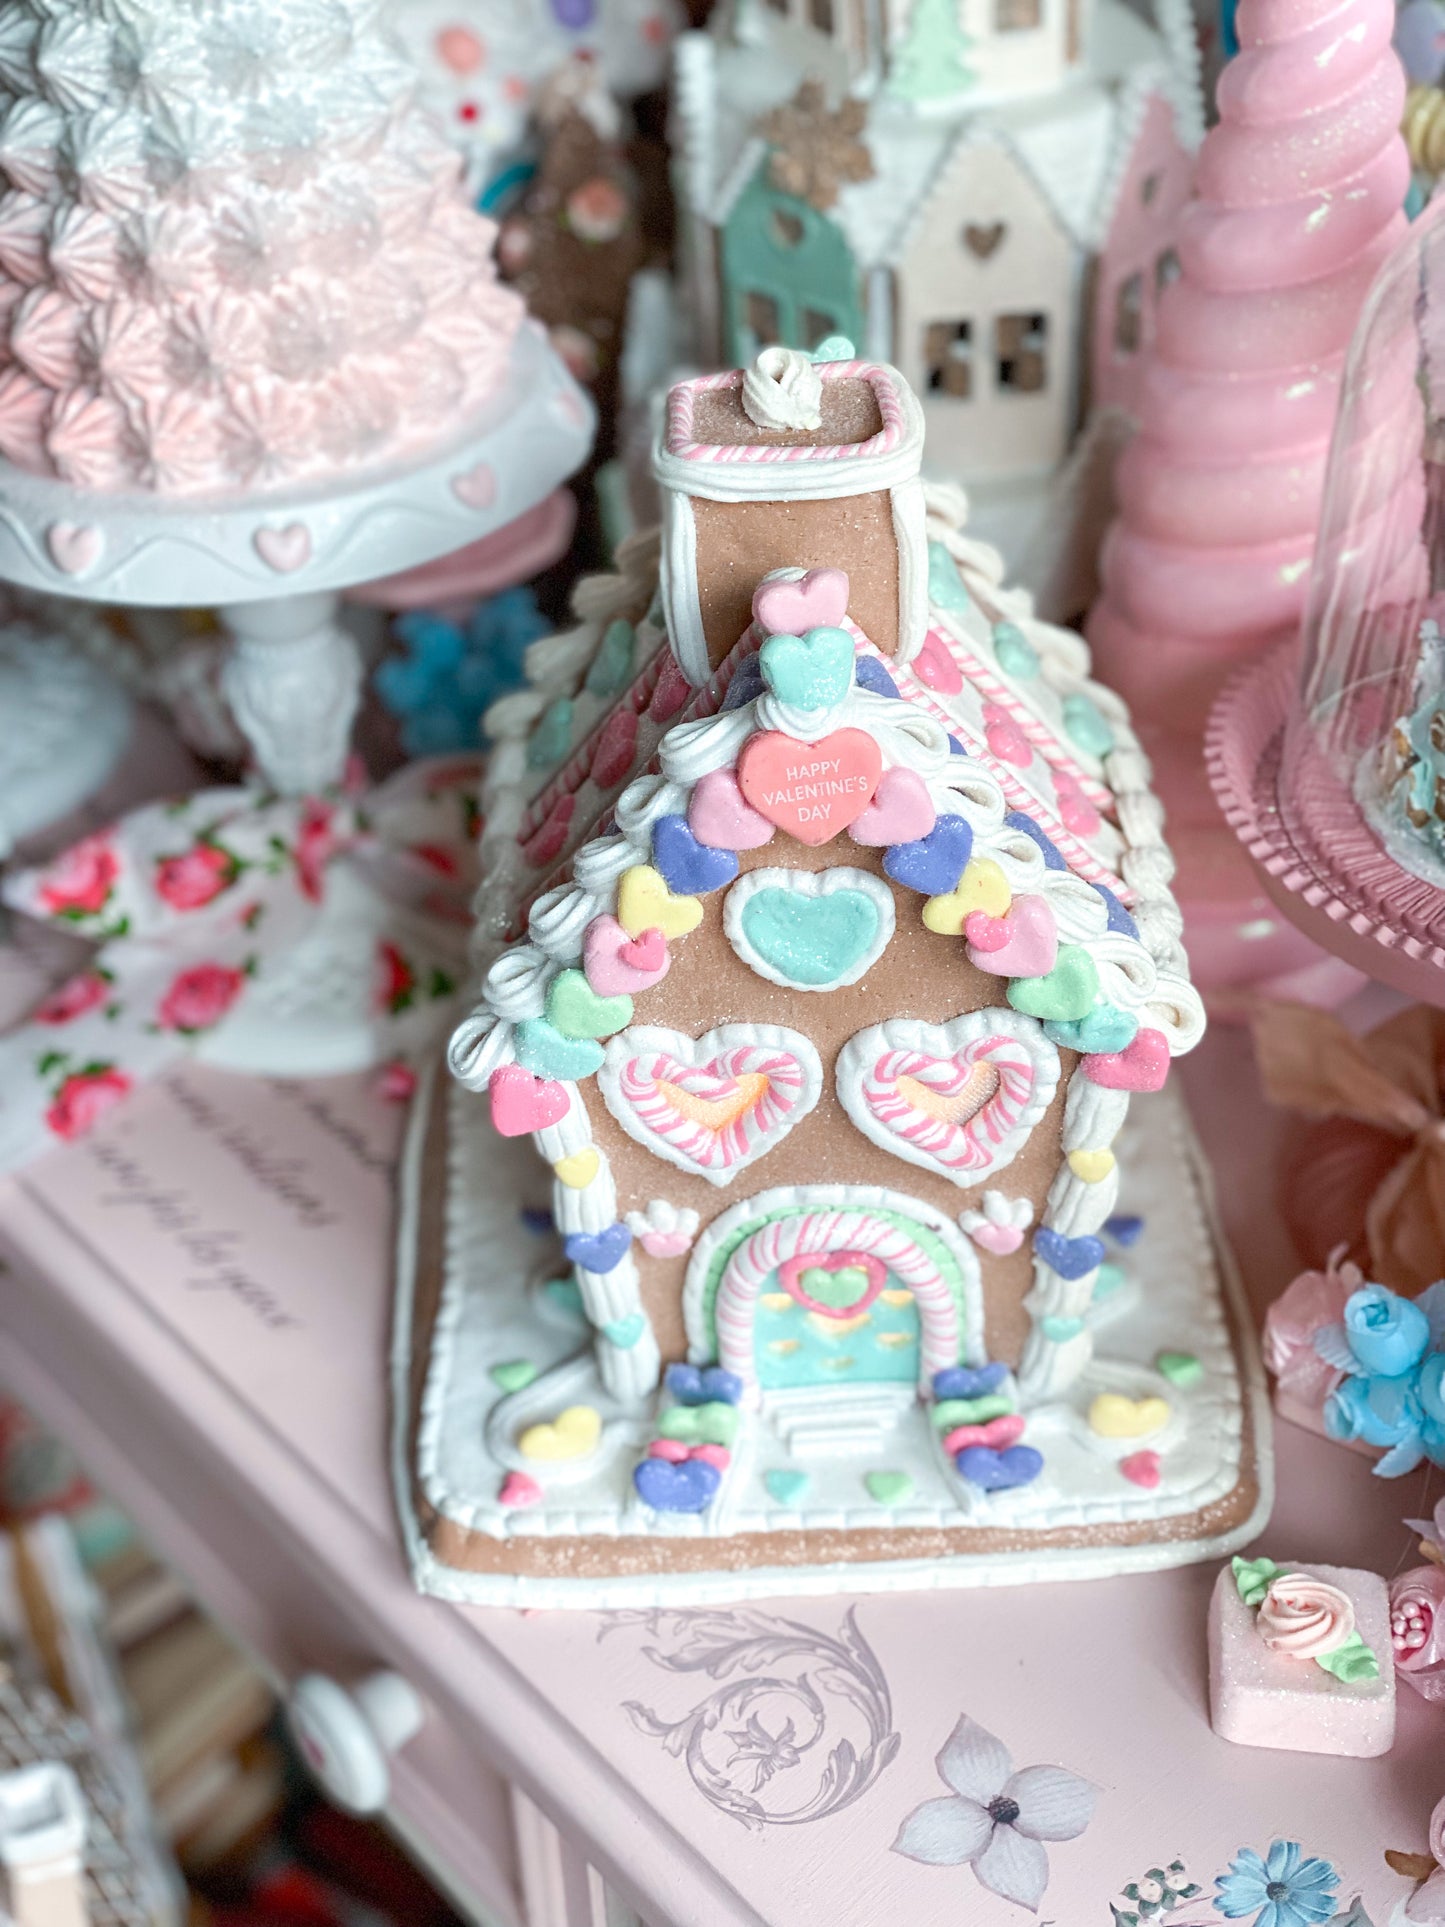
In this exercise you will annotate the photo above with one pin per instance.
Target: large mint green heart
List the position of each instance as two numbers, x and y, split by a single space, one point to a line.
810 941
945 585
837 1289
712 1424
542 1049
1065 994
574 1008
812 671
1104 1028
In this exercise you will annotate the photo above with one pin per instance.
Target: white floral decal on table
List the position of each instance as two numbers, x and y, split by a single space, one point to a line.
802 1727
1281 1887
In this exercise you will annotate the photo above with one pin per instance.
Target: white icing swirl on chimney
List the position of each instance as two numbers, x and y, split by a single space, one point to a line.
783 389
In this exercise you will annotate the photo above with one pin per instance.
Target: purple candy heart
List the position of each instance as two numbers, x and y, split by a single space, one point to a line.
963 1381
1069 1257
689 1386
870 674
997 1471
599 1250
1124 1229
687 867
1020 820
932 864
1119 918
687 1487
746 685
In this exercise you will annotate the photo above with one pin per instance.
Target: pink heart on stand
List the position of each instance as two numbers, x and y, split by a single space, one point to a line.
1022 943
284 550
1144 1066
74 546
1000 1239
615 964
719 816
1007 1429
476 488
901 811
818 601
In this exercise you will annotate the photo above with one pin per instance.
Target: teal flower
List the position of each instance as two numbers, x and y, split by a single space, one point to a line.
1282 1890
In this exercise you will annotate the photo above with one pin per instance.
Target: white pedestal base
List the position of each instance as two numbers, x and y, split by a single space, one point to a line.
293 681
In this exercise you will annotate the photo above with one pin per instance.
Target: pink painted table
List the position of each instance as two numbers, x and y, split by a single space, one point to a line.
198 1297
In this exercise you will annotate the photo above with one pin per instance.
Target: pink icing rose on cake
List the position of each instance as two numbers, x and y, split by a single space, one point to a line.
81 882
1417 1629
195 878
84 1098
1304 1617
200 997
71 1000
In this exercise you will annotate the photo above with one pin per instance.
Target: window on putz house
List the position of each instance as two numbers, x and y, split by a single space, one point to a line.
1017 16
820 13
762 319
1167 270
815 327
948 359
1129 315
1021 352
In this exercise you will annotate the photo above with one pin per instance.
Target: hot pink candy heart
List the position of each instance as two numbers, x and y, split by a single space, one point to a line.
672 691
720 816
1024 943
523 1103
818 601
715 1455
1006 1429
901 811
616 747
673 1450
1144 1066
519 1490
1141 1468
1000 1239
1005 739
1076 812
935 668
546 842
615 964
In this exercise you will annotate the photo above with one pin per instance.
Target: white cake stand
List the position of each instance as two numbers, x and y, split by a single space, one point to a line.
64 721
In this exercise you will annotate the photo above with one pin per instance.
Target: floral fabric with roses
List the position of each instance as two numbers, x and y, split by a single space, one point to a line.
191 902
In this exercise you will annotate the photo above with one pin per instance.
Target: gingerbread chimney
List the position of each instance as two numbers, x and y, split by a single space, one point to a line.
793 463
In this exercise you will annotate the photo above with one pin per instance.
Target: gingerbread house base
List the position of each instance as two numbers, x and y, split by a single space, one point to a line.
826 1495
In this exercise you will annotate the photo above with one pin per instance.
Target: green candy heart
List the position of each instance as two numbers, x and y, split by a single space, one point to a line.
1014 652
836 1289
552 738
562 1294
889 1488
574 1008
1110 1278
1065 994
1086 725
812 671
625 1332
513 1374
786 1485
611 667
812 941
544 1051
1060 1330
1104 1028
1180 1368
945 585
712 1424
970 1411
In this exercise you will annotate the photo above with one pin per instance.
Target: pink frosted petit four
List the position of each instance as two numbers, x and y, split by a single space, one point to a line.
1300 1658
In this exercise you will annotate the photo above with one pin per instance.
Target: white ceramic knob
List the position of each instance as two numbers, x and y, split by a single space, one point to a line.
347 1735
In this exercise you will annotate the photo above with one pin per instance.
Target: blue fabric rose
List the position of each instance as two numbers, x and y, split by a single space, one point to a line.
1388 1334
1379 1411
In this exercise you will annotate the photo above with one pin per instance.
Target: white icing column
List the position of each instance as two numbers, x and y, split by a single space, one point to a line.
293 681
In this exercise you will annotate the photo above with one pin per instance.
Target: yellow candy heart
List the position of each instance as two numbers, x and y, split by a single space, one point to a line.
1113 1416
644 902
983 886
579 1169
571 1435
1091 1166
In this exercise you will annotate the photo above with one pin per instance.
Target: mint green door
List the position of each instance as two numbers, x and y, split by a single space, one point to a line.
787 274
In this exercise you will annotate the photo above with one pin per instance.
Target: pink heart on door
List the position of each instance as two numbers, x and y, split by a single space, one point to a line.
793 1271
818 601
901 811
1022 943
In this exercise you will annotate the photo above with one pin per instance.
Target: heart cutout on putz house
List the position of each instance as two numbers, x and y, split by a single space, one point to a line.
809 929
834 1284
984 241
817 600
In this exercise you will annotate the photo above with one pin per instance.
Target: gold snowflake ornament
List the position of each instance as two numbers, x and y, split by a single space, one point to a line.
816 149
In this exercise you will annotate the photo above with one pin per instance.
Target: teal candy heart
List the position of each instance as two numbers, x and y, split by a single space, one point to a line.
834 348
625 1332
513 1374
837 1289
812 671
542 1049
786 1485
574 1008
1086 725
1060 1330
1016 655
1110 1279
611 669
552 738
811 941
712 1424
562 1294
1104 1028
945 585
889 1488
1065 994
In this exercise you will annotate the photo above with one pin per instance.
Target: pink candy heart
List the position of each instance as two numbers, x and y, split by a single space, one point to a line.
519 1490
717 1455
1143 1066
664 1244
615 964
546 842
1000 1239
1024 943
935 668
616 747
1005 739
1076 812
672 691
901 811
1007 1429
818 601
720 816
1141 1468
523 1103
673 1450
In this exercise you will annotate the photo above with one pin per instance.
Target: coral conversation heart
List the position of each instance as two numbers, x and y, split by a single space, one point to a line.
688 867
543 1049
935 668
517 1490
571 1435
644 902
284 550
75 547
982 886
575 1009
1114 1416
995 1471
1005 739
476 488
720 816
812 671
598 1251
1067 991
819 600
1104 1029
616 747
689 1487
1142 1066
1069 1257
522 1103
810 790
616 964
901 812
1023 943
1142 1469
933 863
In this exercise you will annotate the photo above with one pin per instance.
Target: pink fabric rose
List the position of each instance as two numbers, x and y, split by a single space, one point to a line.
81 881
1314 1300
1417 1629
195 878
315 846
84 1098
200 997
1304 1617
395 982
72 1000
